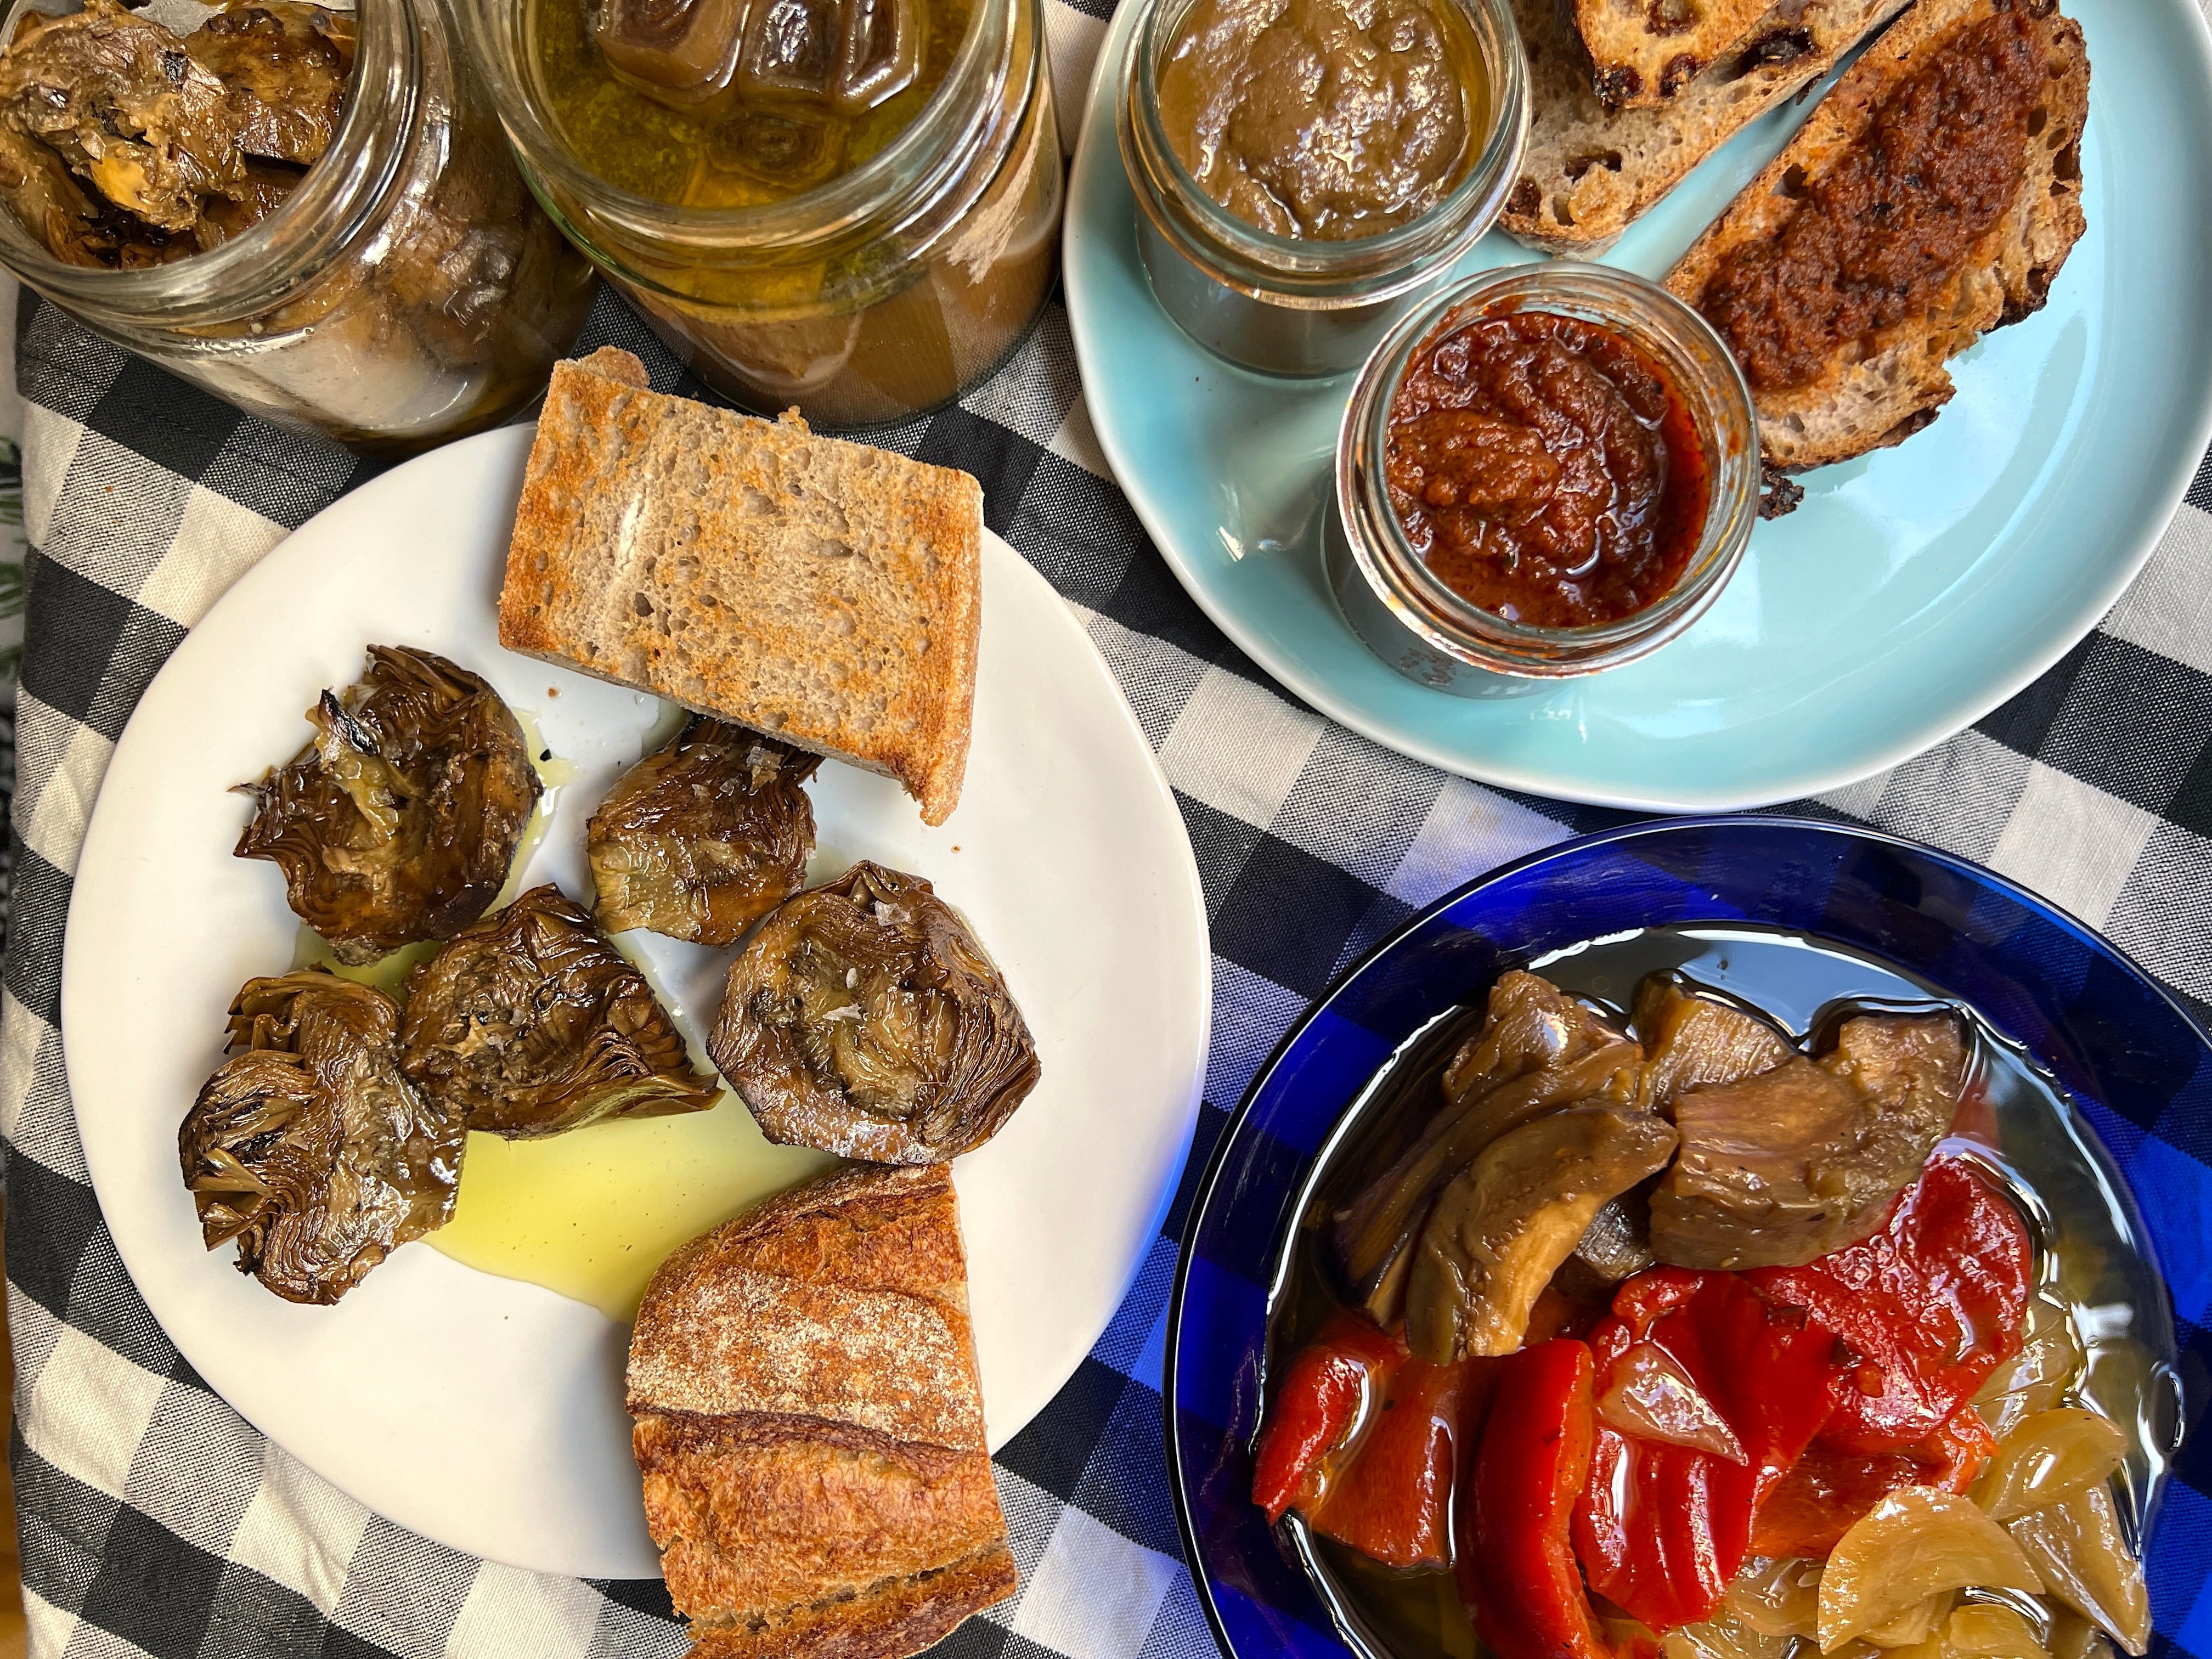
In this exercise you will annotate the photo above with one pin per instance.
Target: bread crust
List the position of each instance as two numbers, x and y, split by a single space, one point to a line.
825 592
809 1427
1591 171
1873 400
1645 52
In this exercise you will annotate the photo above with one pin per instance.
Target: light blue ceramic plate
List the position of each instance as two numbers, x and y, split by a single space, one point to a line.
1913 591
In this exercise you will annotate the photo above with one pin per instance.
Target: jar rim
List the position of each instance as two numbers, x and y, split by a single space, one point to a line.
334 199
1658 323
1243 256
935 141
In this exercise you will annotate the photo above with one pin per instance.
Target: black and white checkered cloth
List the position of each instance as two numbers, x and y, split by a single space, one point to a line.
155 1520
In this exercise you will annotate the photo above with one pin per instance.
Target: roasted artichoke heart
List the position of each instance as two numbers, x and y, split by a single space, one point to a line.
705 835
399 821
311 1148
865 1019
531 1023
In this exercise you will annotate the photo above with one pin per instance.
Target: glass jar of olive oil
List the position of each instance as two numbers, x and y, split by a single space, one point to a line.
850 206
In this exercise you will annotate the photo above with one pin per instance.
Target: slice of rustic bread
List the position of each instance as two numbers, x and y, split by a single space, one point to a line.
1880 391
809 1425
825 592
1591 173
1645 52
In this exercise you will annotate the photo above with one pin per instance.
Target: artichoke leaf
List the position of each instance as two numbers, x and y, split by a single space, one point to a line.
865 1019
529 1023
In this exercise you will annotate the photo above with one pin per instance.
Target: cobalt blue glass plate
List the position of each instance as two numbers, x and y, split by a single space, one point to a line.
2136 1065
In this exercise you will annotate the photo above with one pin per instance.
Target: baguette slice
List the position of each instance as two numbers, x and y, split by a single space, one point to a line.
1645 52
1591 171
823 591
1882 392
809 1428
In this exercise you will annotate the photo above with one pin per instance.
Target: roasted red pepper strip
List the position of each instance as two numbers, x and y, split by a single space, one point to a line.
1392 1498
1317 1408
1515 1563
1827 1491
1663 1528
1932 1302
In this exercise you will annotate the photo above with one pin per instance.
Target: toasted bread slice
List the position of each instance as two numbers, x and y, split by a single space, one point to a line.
1591 171
1645 52
810 1427
1880 391
823 591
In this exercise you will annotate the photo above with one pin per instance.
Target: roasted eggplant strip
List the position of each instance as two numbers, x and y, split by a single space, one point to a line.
530 1024
1538 1050
400 820
1499 1230
1692 1040
1804 1160
311 1148
864 1018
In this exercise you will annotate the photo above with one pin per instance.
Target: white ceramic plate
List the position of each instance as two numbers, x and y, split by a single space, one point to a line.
484 1412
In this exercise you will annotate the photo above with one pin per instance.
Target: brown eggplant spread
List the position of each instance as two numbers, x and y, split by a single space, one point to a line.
1873 242
1327 119
1546 470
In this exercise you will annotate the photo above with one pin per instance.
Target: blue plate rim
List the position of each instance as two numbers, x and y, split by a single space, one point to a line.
2166 496
1202 1193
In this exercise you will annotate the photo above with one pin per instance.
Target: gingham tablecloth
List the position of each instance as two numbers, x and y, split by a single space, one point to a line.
155 1520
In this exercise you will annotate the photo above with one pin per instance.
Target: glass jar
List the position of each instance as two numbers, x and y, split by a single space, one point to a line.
1289 306
877 296
1429 633
407 291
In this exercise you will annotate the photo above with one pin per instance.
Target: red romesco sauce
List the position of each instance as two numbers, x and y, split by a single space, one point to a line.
1546 470
1874 240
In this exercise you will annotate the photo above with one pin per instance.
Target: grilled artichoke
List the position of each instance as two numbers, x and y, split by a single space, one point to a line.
865 1019
311 1149
531 1023
398 822
703 837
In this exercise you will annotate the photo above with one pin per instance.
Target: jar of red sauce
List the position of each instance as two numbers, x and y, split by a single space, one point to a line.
1545 470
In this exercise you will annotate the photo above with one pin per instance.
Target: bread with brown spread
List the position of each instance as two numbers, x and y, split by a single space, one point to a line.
1878 387
1591 171
809 1428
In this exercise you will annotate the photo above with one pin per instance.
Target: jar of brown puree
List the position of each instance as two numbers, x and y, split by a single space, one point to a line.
1306 170
309 210
850 206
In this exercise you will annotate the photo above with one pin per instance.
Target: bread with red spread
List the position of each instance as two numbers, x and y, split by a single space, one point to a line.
1591 171
1879 373
809 1428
